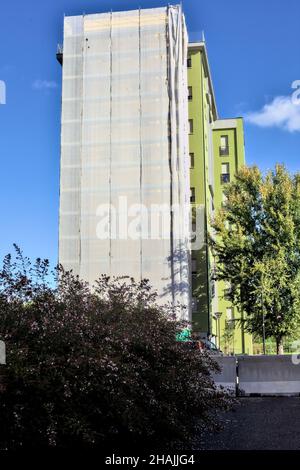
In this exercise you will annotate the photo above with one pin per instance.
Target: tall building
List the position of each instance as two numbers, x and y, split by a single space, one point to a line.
124 176
216 148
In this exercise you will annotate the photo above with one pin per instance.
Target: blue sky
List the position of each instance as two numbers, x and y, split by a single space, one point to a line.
253 52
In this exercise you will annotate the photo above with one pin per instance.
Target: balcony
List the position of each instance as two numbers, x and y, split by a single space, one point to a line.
225 178
224 151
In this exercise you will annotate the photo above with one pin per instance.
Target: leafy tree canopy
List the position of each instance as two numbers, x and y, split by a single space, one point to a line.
257 244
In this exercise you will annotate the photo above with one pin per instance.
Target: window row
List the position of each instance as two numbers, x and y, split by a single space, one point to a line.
225 173
224 146
192 195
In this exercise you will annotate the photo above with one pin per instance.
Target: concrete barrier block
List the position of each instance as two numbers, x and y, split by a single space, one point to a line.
268 375
227 379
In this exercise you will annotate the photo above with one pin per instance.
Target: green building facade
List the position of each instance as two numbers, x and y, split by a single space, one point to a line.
216 153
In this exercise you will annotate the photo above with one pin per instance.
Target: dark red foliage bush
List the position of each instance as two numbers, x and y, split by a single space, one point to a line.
88 368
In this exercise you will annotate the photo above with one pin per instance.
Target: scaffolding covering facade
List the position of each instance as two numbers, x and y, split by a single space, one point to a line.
124 139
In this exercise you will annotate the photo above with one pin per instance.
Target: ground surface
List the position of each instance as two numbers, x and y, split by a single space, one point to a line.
258 424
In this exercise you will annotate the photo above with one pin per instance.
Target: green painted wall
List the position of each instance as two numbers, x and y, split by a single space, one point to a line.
204 143
198 145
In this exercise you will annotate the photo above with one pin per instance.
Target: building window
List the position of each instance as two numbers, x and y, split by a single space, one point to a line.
224 145
191 126
192 195
190 93
230 318
194 266
194 305
225 173
229 314
189 62
192 160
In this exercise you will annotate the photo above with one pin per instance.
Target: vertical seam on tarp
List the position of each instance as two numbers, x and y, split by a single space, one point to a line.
81 145
178 86
61 161
141 150
168 46
110 145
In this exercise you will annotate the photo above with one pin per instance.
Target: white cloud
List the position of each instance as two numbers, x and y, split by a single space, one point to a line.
282 112
44 85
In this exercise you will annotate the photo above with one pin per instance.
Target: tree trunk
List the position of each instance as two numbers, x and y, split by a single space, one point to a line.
279 346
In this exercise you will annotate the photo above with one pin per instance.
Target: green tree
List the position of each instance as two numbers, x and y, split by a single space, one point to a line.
228 337
256 241
96 368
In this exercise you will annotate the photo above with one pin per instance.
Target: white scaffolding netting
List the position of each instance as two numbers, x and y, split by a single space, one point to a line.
124 135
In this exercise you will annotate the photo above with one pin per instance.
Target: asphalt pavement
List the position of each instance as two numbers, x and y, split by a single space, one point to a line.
267 423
